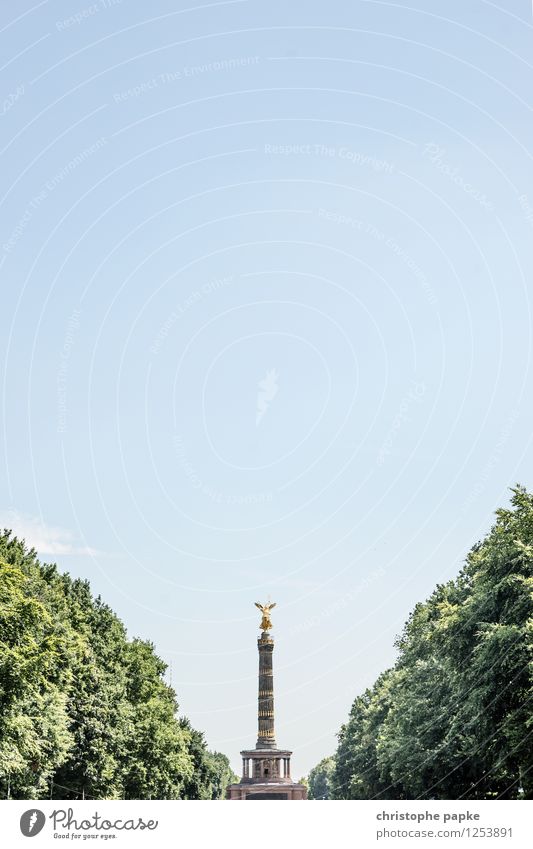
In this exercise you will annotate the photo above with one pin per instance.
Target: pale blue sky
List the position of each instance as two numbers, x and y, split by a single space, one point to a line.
265 323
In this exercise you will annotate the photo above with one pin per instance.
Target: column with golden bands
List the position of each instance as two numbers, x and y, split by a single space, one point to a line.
265 711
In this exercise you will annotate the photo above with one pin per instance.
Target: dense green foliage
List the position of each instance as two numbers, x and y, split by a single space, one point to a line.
453 718
83 710
320 779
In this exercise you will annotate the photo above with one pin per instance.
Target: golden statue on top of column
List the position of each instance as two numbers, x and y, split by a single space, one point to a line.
266 621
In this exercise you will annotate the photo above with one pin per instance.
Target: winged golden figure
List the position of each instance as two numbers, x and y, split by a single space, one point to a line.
266 622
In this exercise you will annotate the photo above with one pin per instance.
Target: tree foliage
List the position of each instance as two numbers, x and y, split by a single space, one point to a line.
453 718
319 779
85 712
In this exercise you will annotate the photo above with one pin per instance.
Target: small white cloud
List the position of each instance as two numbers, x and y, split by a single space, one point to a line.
44 538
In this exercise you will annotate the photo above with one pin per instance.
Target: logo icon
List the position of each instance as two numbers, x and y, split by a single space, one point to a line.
32 822
267 391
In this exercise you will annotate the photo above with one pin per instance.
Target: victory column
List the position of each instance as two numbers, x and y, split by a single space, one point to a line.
266 770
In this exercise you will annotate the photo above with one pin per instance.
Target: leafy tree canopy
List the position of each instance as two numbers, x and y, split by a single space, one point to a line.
85 712
453 718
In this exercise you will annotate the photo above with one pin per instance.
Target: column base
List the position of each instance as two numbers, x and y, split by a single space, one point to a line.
267 792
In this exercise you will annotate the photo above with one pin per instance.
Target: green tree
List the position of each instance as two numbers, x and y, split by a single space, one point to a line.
156 761
320 779
224 775
97 699
358 773
203 781
34 735
84 711
453 718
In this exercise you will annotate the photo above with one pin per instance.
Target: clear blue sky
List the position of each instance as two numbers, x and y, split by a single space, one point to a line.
265 323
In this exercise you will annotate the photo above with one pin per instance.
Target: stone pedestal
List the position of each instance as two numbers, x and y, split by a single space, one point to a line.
267 792
266 774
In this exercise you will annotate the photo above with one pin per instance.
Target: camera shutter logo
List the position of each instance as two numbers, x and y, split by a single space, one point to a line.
32 822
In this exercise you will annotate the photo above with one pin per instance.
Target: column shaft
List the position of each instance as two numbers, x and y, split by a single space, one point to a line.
265 708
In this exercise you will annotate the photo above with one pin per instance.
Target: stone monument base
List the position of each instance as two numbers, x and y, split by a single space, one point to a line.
266 774
271 791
